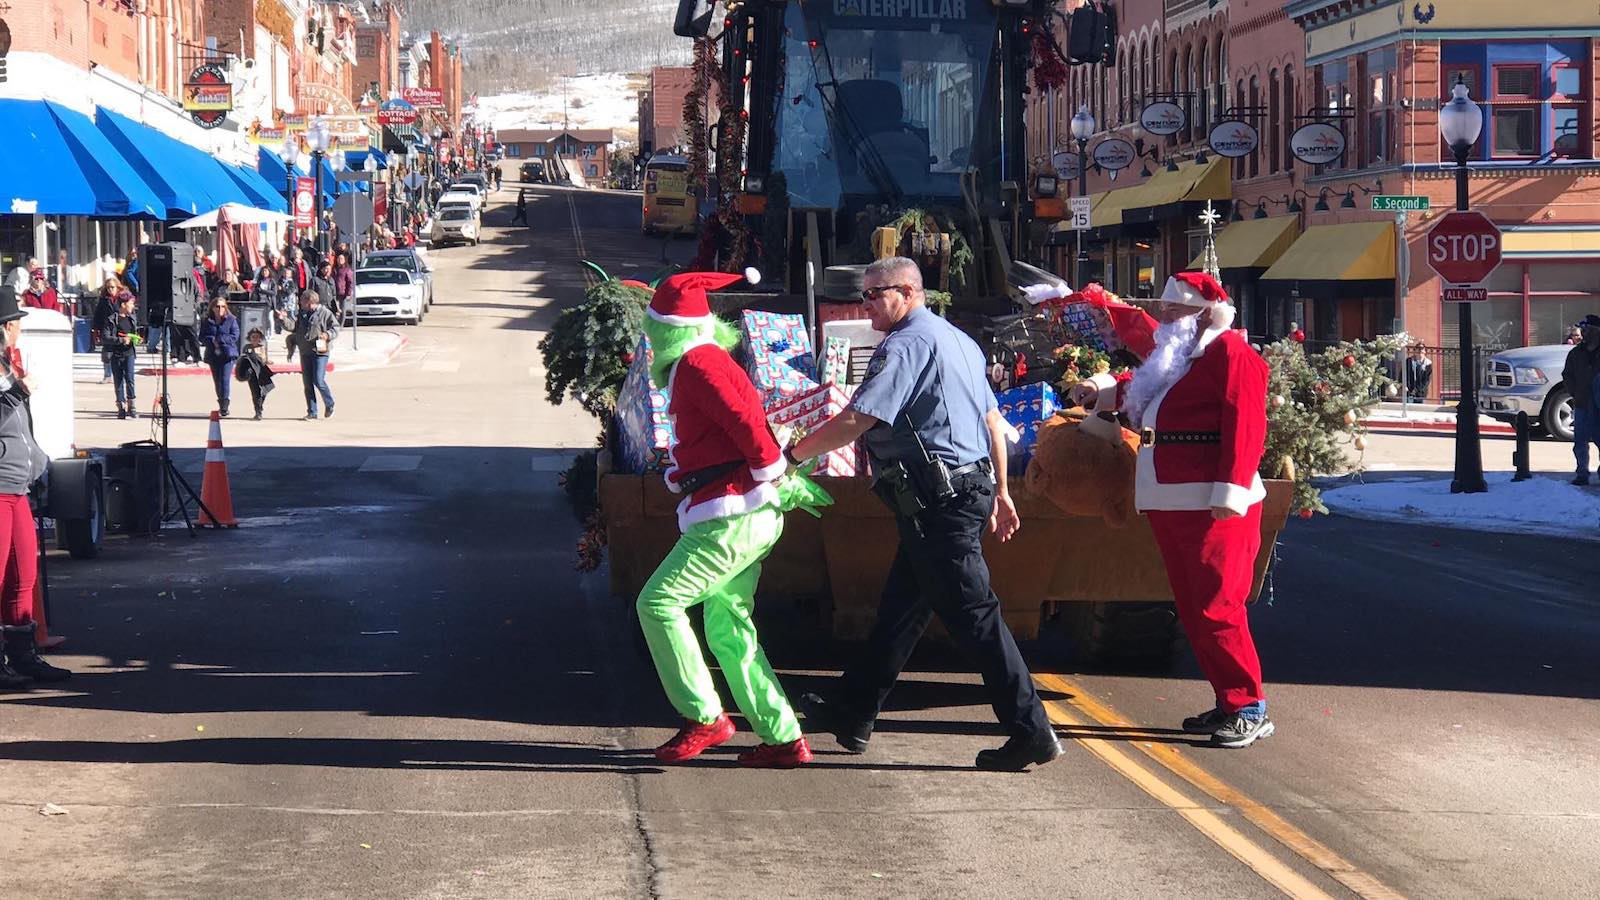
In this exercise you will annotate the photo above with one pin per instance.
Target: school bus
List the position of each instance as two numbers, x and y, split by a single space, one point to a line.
669 208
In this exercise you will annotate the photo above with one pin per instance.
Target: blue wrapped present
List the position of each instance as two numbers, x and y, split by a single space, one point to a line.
778 356
644 431
1026 408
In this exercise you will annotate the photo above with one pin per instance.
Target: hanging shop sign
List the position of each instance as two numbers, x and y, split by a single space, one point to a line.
1162 118
397 112
423 98
282 127
326 93
207 96
1114 154
348 132
1234 139
1066 164
1317 144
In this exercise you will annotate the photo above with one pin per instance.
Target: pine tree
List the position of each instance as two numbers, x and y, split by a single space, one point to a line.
588 350
1315 406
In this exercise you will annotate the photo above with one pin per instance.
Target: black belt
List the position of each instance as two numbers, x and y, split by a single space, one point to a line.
983 465
1149 437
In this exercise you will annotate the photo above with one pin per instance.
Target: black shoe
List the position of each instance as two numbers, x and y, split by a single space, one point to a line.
258 414
329 413
1242 731
11 679
133 411
1019 753
122 411
1581 480
1206 723
223 412
23 655
827 717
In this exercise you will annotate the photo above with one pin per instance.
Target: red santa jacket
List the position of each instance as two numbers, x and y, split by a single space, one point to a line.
1224 390
717 418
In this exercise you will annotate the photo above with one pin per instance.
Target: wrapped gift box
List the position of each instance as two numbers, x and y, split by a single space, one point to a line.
810 410
836 361
1026 408
778 356
644 432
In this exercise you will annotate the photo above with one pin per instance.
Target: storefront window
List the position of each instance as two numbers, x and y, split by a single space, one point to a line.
1561 294
1142 265
1516 131
1564 121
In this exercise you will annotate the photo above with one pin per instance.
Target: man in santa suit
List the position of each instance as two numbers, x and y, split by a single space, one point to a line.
737 485
1199 402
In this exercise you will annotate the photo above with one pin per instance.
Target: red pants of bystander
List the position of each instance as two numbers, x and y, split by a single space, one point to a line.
19 547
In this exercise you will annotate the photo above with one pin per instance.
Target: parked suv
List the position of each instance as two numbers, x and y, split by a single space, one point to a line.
532 172
1528 380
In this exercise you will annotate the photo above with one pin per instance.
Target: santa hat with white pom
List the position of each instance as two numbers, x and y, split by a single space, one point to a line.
681 300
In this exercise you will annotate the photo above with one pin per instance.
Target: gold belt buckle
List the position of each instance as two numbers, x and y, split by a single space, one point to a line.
1147 437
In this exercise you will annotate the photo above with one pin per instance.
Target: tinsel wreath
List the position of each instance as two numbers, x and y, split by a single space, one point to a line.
1049 68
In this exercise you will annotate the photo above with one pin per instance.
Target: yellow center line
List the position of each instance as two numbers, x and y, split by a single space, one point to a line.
1208 823
1304 845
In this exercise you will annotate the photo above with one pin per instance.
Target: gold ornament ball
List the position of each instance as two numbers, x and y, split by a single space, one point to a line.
1361 443
1349 417
1277 400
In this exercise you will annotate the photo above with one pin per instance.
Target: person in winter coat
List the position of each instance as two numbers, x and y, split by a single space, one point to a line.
254 370
326 286
219 336
274 286
21 464
119 338
1579 376
344 283
105 309
312 335
41 295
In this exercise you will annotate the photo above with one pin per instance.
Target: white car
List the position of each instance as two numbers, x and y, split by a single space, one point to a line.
388 293
455 225
457 198
470 187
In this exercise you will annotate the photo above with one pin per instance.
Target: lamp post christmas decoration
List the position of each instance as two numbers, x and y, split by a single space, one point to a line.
1208 259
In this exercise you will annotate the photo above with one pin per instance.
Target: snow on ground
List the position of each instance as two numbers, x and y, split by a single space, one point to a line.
1541 505
591 101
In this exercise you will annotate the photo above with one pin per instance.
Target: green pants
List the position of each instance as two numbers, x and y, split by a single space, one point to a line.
717 563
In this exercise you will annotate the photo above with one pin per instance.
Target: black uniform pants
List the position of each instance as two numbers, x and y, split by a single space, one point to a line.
941 570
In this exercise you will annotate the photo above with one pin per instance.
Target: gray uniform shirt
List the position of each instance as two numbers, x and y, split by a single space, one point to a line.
927 369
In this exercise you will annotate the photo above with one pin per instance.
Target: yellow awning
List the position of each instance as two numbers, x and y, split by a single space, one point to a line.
1191 183
1583 242
1355 251
1253 243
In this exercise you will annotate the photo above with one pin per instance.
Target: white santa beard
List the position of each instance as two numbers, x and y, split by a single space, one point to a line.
1165 365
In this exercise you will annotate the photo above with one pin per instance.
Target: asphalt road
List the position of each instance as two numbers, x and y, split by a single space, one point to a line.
389 682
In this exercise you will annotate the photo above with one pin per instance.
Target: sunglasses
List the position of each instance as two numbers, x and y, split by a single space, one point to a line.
873 293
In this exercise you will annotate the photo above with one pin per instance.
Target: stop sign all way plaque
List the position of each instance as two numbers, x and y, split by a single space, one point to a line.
1464 248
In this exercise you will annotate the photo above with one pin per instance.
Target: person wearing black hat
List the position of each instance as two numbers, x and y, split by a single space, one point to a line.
1579 375
21 464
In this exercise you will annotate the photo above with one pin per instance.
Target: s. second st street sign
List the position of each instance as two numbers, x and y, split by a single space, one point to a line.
1399 203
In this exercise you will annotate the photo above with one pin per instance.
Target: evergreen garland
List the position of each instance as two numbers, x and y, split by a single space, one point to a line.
587 352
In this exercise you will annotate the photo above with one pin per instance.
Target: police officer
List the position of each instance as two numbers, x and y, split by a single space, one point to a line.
937 445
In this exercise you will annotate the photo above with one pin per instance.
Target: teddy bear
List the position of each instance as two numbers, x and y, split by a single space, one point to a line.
1082 472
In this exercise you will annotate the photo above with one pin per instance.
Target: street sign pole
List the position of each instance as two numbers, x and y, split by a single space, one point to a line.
1402 284
1465 248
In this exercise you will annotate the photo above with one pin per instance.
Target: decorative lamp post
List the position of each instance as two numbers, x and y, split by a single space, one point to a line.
1460 123
291 159
437 134
1083 127
317 138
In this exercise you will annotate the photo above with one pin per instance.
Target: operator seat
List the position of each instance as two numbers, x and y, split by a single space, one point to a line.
873 110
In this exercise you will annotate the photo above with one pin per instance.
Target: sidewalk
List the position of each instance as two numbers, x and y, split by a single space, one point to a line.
379 347
1392 416
1544 504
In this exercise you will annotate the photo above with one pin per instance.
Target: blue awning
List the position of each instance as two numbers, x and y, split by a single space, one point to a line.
356 160
272 168
152 155
212 175
119 191
266 197
37 171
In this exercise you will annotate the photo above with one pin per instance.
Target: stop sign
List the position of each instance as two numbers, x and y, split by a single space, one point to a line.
1464 247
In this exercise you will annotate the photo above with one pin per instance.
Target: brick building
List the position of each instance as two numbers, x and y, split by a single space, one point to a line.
586 150
377 72
661 108
1304 244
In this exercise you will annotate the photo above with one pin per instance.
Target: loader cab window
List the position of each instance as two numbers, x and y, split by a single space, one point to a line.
877 107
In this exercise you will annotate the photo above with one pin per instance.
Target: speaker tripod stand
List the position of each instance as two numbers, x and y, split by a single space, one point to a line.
174 486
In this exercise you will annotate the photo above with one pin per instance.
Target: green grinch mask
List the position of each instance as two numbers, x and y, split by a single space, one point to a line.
668 343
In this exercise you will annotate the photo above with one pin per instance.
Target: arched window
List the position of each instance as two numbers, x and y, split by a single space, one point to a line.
1122 86
1291 108
1238 102
1145 77
1220 79
1255 100
1274 122
1202 101
1105 87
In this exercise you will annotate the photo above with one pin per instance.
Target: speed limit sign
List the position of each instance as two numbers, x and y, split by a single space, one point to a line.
1078 213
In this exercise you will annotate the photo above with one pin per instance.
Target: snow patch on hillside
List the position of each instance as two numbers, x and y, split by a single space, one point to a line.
585 101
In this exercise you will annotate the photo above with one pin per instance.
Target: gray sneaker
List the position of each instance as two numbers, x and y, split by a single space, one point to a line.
1242 731
1206 723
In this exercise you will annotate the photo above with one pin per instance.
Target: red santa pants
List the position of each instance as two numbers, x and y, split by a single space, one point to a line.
1211 565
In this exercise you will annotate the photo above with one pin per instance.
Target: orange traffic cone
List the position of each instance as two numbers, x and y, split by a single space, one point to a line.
216 498
41 630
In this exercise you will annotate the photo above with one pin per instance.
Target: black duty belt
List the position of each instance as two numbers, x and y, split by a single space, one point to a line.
1149 437
983 465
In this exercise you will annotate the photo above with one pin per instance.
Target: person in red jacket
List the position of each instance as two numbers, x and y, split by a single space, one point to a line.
736 486
1199 402
40 295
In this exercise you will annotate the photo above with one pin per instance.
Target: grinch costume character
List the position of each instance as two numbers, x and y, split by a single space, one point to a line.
737 485
1199 402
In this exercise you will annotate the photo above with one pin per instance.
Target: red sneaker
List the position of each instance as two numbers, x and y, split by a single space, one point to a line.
777 756
694 738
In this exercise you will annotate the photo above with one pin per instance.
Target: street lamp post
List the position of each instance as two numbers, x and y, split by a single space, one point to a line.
1082 129
1460 122
317 138
291 158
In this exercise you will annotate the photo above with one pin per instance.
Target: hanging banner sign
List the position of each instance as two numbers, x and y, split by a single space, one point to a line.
1114 154
1066 164
1234 139
348 132
305 202
327 93
275 134
397 112
423 98
1163 117
207 96
1317 144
